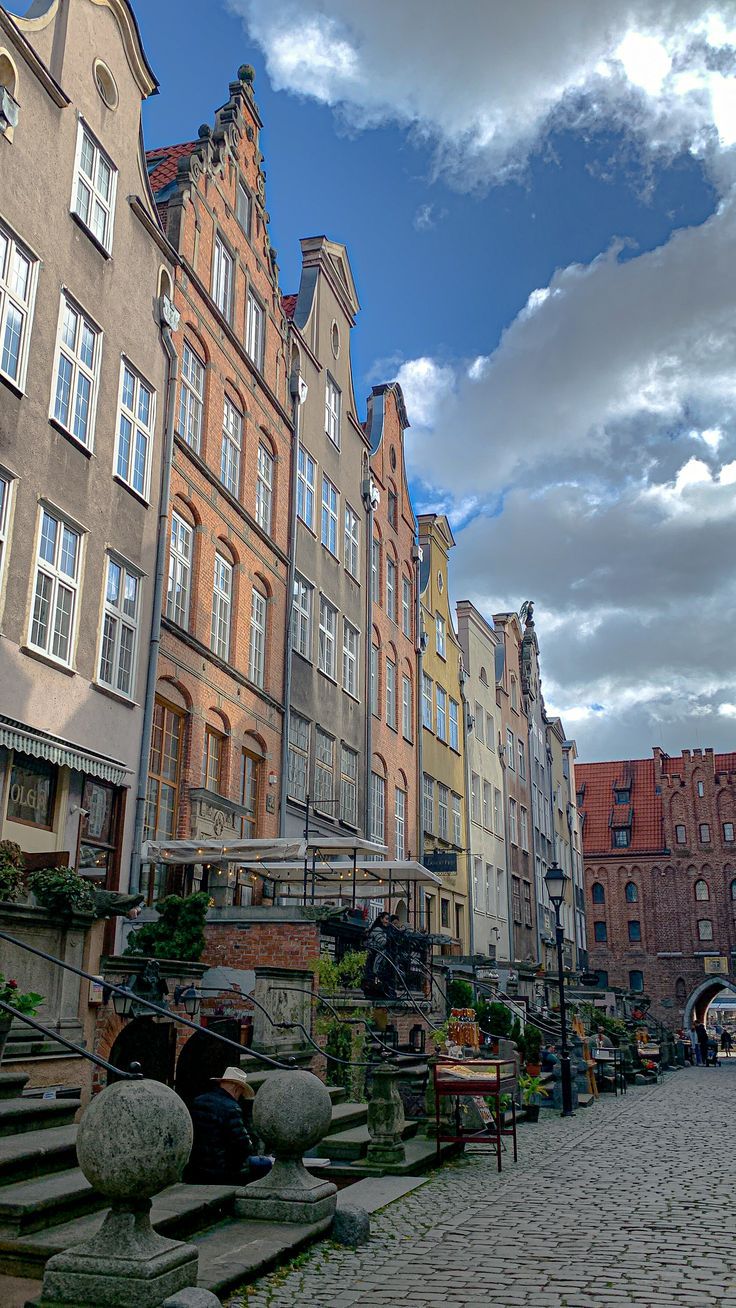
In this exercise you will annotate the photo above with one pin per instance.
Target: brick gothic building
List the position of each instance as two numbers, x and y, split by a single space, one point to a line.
660 874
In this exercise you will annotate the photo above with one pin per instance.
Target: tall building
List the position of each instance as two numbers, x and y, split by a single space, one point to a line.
515 733
567 850
215 757
660 873
327 765
484 785
445 842
538 764
83 390
392 719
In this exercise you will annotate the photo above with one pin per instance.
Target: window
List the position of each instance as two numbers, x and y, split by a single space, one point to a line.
428 803
478 899
257 645
393 509
600 932
622 795
391 577
135 432
332 411
597 893
705 929
118 649
55 588
5 492
221 607
324 773
180 571
255 330
329 516
406 707
704 833
406 605
391 693
701 789
680 834
491 896
490 731
440 636
17 288
298 758
527 892
376 570
378 807
454 725
636 981
443 811
77 369
631 892
400 822
374 680
512 821
444 912
522 760
727 831
701 890
478 723
191 397
162 796
475 797
264 488
621 837
510 749
301 613
733 890
32 792
427 711
497 809
327 637
514 693
350 644
348 785
243 207
456 824
487 806
634 931
93 193
213 759
232 435
516 899
441 714
99 831
305 484
601 978
680 989
352 537
222 278
524 828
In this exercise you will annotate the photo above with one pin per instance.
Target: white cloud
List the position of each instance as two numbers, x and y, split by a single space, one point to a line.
424 218
425 384
727 710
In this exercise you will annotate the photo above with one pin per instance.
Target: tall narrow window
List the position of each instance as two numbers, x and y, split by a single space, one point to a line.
222 595
634 930
391 693
77 371
329 516
332 411
324 774
222 278
191 398
243 207
18 273
5 493
522 760
249 773
441 714
119 643
255 331
162 796
93 194
406 708
400 823
478 897
257 646
352 538
510 749
376 570
487 806
702 890
212 763
497 812
55 588
135 432
478 723
327 637
454 725
180 571
512 821
440 635
350 647
524 828
348 786
393 509
264 489
443 811
428 804
406 606
427 709
305 483
705 929
374 680
298 756
456 821
232 440
378 807
704 833
631 892
475 797
391 588
302 617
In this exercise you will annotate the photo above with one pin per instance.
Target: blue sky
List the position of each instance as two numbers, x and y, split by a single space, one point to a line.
538 204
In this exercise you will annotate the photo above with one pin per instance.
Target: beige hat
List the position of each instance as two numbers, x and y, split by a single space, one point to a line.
237 1077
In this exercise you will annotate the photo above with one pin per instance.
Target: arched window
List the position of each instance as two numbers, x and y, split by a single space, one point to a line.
636 981
733 889
9 80
167 743
680 990
181 564
257 645
251 765
701 890
598 893
632 892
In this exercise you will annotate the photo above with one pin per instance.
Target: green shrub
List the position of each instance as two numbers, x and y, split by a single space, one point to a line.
460 993
12 864
61 890
178 933
345 975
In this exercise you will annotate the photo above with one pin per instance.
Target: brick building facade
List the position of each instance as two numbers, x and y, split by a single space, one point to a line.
660 873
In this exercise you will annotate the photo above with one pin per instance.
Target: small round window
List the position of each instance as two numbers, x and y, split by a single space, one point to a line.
335 339
105 83
440 582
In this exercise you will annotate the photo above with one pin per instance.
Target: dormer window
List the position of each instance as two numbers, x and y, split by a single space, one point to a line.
622 795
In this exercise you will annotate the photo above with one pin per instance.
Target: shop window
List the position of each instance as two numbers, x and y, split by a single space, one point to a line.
99 834
32 792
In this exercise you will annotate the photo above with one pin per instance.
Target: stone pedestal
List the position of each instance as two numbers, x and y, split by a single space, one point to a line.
292 1111
385 1119
286 994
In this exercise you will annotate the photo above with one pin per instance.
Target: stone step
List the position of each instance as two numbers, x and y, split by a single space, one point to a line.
346 1114
20 1050
37 1153
234 1253
421 1156
375 1192
346 1146
177 1212
27 1206
12 1084
23 1113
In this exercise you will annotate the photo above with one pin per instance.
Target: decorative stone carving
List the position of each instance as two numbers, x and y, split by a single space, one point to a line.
286 994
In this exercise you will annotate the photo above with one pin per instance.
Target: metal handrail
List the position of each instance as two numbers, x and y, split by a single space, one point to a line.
69 1044
347 1021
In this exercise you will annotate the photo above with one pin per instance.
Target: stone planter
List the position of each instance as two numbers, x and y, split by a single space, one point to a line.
532 1112
64 994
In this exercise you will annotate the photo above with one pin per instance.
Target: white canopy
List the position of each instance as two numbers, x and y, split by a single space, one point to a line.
369 875
215 851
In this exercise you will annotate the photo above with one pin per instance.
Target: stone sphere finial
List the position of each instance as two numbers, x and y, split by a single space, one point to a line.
291 1112
134 1139
247 73
205 132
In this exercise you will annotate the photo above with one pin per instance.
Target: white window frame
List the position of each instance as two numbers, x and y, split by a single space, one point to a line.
400 822
330 510
324 770
376 570
454 717
306 487
232 444
440 631
181 551
264 488
378 807
257 639
510 746
327 656
487 805
427 703
302 616
333 402
497 810
297 782
255 330
391 681
59 580
6 501
478 898
443 811
456 821
222 607
142 427
524 828
81 370
406 606
83 181
490 732
374 679
392 573
352 541
350 654
428 803
119 631
223 277
478 724
348 785
441 694
522 758
475 797
16 308
406 707
512 821
191 398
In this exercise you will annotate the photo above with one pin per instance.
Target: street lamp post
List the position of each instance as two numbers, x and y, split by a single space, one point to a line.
556 880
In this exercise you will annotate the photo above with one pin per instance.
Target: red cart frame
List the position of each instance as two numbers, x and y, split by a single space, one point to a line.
487 1077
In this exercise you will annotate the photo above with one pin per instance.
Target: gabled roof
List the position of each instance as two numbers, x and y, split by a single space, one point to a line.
288 304
163 163
599 780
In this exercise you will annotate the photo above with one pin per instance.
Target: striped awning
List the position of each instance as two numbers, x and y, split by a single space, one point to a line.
40 744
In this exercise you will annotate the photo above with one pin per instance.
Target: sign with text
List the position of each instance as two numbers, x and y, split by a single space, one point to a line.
441 861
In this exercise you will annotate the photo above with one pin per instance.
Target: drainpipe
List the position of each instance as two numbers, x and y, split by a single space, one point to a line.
371 499
468 791
169 321
298 393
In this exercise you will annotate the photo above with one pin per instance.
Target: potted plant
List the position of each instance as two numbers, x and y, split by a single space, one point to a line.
532 1049
531 1091
22 1002
62 891
12 864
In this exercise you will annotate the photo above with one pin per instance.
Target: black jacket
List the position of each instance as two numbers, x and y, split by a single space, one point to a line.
222 1144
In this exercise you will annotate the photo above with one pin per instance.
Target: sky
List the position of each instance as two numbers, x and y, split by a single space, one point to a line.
539 205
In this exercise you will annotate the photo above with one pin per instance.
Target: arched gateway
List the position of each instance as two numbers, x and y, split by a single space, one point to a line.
699 998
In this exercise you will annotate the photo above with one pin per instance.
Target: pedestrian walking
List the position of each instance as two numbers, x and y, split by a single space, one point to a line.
702 1037
726 1042
695 1047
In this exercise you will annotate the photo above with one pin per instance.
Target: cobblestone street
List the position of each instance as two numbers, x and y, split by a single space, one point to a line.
628 1203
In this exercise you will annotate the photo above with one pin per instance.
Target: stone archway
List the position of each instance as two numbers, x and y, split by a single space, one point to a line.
699 998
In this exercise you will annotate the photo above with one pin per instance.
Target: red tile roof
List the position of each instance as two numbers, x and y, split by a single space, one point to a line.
598 805
288 304
163 163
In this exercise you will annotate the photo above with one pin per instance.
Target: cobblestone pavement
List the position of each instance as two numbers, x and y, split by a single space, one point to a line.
629 1202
